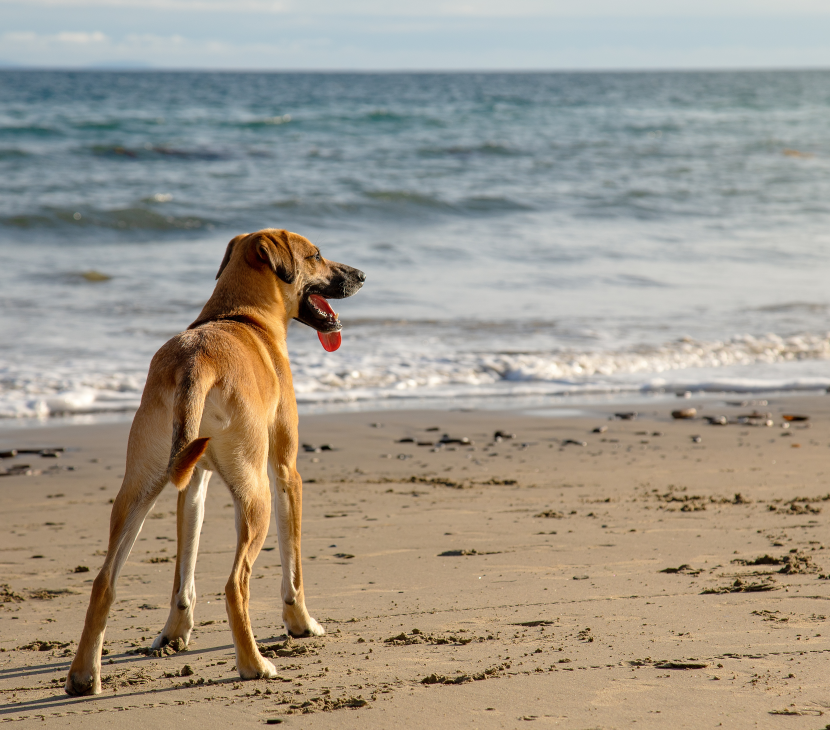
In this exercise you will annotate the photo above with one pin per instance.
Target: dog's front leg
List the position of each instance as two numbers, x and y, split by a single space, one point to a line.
288 506
190 514
128 513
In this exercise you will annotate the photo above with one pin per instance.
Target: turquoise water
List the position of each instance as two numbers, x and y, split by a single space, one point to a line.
523 234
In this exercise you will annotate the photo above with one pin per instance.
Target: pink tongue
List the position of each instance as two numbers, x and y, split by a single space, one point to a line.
331 340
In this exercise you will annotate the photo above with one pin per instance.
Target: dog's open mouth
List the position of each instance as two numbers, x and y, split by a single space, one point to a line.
325 321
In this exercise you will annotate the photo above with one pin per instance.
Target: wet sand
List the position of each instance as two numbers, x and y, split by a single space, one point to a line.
644 576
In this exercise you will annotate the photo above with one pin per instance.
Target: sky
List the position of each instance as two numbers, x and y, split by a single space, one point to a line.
378 35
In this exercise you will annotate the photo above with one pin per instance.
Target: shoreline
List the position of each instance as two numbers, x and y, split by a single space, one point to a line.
643 576
562 406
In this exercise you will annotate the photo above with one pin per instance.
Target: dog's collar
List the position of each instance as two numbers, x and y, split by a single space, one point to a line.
239 318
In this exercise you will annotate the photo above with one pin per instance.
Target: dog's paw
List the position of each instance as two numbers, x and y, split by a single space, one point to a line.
311 628
262 669
314 628
177 630
80 684
177 643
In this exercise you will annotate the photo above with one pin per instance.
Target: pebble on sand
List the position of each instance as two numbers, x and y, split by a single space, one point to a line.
716 420
684 413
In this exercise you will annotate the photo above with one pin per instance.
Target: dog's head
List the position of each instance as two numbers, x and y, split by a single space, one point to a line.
305 278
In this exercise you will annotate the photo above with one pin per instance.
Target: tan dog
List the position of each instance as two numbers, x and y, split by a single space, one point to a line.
221 393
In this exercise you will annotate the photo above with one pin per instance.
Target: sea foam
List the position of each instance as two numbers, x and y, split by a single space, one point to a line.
742 364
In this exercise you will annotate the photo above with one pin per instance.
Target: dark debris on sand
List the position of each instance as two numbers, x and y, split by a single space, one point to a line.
685 569
791 563
740 586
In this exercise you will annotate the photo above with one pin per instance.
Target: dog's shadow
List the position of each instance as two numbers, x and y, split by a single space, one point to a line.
62 700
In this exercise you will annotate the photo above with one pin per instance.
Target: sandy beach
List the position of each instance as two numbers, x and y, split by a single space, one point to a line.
589 572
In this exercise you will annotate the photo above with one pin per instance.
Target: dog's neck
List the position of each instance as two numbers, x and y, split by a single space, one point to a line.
259 304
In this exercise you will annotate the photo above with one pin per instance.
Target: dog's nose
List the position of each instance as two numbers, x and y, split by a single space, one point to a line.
361 277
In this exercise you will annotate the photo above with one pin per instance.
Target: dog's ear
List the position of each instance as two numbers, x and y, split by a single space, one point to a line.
228 252
274 249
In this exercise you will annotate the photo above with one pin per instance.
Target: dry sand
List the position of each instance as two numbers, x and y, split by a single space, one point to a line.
483 585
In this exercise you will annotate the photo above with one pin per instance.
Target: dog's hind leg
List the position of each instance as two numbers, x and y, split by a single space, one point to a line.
189 516
288 503
136 498
253 515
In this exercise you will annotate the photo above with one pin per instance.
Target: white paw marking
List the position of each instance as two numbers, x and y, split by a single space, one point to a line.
314 628
262 670
269 670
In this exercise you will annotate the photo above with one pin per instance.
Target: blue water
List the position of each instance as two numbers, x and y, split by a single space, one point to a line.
523 234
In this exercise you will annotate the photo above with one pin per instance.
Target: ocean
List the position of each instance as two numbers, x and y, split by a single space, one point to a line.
531 238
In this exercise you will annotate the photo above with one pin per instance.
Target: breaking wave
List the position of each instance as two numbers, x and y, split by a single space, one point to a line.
360 375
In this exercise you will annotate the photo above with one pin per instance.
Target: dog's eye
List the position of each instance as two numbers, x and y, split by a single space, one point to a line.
318 257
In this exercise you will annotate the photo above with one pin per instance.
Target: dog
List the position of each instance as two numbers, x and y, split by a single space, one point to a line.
221 393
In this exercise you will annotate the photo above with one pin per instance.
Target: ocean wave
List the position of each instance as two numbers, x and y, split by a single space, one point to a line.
498 149
67 389
492 204
569 367
12 154
158 152
395 200
795 307
637 281
33 130
408 198
149 215
383 203
261 122
124 219
102 125
361 375
383 115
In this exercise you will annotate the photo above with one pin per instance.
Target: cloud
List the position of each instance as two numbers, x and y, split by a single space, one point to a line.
79 49
19 37
27 38
195 6
70 37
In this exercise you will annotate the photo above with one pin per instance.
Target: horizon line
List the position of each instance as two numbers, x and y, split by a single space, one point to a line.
164 69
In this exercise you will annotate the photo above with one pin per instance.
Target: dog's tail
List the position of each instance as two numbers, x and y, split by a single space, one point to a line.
189 403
